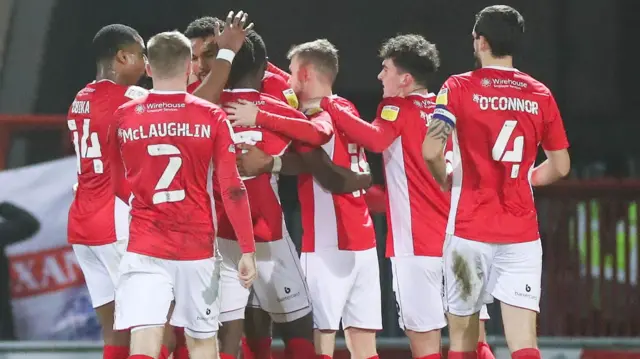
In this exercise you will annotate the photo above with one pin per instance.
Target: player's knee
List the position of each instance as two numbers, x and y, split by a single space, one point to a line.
201 345
229 336
362 342
519 327
146 340
299 328
424 343
257 323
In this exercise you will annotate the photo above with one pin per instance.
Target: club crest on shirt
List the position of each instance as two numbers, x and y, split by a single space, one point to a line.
291 97
390 113
443 97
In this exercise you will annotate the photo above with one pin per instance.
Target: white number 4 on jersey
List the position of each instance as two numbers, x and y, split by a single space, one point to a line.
499 152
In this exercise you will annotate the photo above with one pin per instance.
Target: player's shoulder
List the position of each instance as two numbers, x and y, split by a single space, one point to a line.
195 103
345 103
392 108
276 105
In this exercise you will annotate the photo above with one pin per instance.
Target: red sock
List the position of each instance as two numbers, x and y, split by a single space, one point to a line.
140 356
226 356
431 356
115 352
484 351
320 356
164 353
256 348
374 357
462 355
299 348
527 353
180 352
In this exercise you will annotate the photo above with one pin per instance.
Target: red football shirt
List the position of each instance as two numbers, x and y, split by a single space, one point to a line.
501 116
266 212
335 220
416 207
96 213
170 143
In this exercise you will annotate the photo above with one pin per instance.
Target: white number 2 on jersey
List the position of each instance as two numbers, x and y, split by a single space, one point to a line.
175 162
499 152
248 137
83 148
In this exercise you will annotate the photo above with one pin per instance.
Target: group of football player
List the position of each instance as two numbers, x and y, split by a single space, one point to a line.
178 228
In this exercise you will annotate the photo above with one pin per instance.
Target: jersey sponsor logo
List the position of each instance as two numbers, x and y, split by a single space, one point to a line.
134 92
80 107
443 97
171 129
500 103
389 113
503 83
291 97
164 106
139 109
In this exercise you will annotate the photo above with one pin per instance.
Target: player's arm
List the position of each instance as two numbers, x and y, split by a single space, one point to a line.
119 185
315 131
232 189
555 144
278 71
229 42
376 136
441 125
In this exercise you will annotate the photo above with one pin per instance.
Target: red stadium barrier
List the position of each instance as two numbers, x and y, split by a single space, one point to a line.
590 266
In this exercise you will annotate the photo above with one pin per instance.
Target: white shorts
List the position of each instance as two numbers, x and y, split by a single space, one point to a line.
477 272
99 265
418 287
148 285
279 289
344 285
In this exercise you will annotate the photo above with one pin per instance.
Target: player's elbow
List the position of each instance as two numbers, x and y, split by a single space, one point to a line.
560 161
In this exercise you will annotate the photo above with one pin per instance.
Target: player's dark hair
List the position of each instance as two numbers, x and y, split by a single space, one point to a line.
321 53
250 61
111 39
502 26
202 27
412 54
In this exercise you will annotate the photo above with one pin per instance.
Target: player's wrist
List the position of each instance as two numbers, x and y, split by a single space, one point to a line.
226 54
276 164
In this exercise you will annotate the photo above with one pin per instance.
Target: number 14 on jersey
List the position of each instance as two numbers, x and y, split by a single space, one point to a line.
88 146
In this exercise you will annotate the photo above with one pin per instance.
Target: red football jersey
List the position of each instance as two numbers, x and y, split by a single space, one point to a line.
96 214
266 212
336 220
501 116
170 143
272 84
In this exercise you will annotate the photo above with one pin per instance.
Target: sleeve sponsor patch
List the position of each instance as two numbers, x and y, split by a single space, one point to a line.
389 113
134 92
291 97
443 97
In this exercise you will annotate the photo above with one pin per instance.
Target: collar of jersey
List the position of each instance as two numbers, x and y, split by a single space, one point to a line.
503 68
241 90
164 92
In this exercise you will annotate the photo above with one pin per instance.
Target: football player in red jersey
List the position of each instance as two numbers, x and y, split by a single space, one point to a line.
413 244
98 219
202 32
339 250
280 293
498 116
183 144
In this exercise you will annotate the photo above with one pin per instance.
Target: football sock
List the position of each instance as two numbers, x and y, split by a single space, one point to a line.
226 356
299 348
462 355
164 353
115 352
431 356
140 356
484 351
180 352
256 349
527 353
320 356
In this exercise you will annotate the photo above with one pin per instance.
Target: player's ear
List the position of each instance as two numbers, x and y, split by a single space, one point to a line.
148 70
303 73
121 57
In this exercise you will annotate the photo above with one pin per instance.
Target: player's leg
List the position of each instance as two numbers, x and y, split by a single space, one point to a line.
362 315
197 292
99 265
233 299
518 269
417 285
281 290
483 350
257 331
143 298
466 268
330 275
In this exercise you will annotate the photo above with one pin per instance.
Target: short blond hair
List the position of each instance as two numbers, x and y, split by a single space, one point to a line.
321 53
167 53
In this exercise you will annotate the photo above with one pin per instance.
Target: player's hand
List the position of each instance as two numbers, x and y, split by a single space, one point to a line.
234 33
242 113
252 161
247 269
75 189
446 187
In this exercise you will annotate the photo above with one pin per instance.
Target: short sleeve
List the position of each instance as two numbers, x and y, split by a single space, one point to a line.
391 115
446 101
554 137
278 87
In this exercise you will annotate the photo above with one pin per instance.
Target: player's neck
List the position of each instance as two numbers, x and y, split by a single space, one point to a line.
178 84
108 73
421 90
506 61
251 85
314 92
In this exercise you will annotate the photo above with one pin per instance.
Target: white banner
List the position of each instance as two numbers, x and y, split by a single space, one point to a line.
49 297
